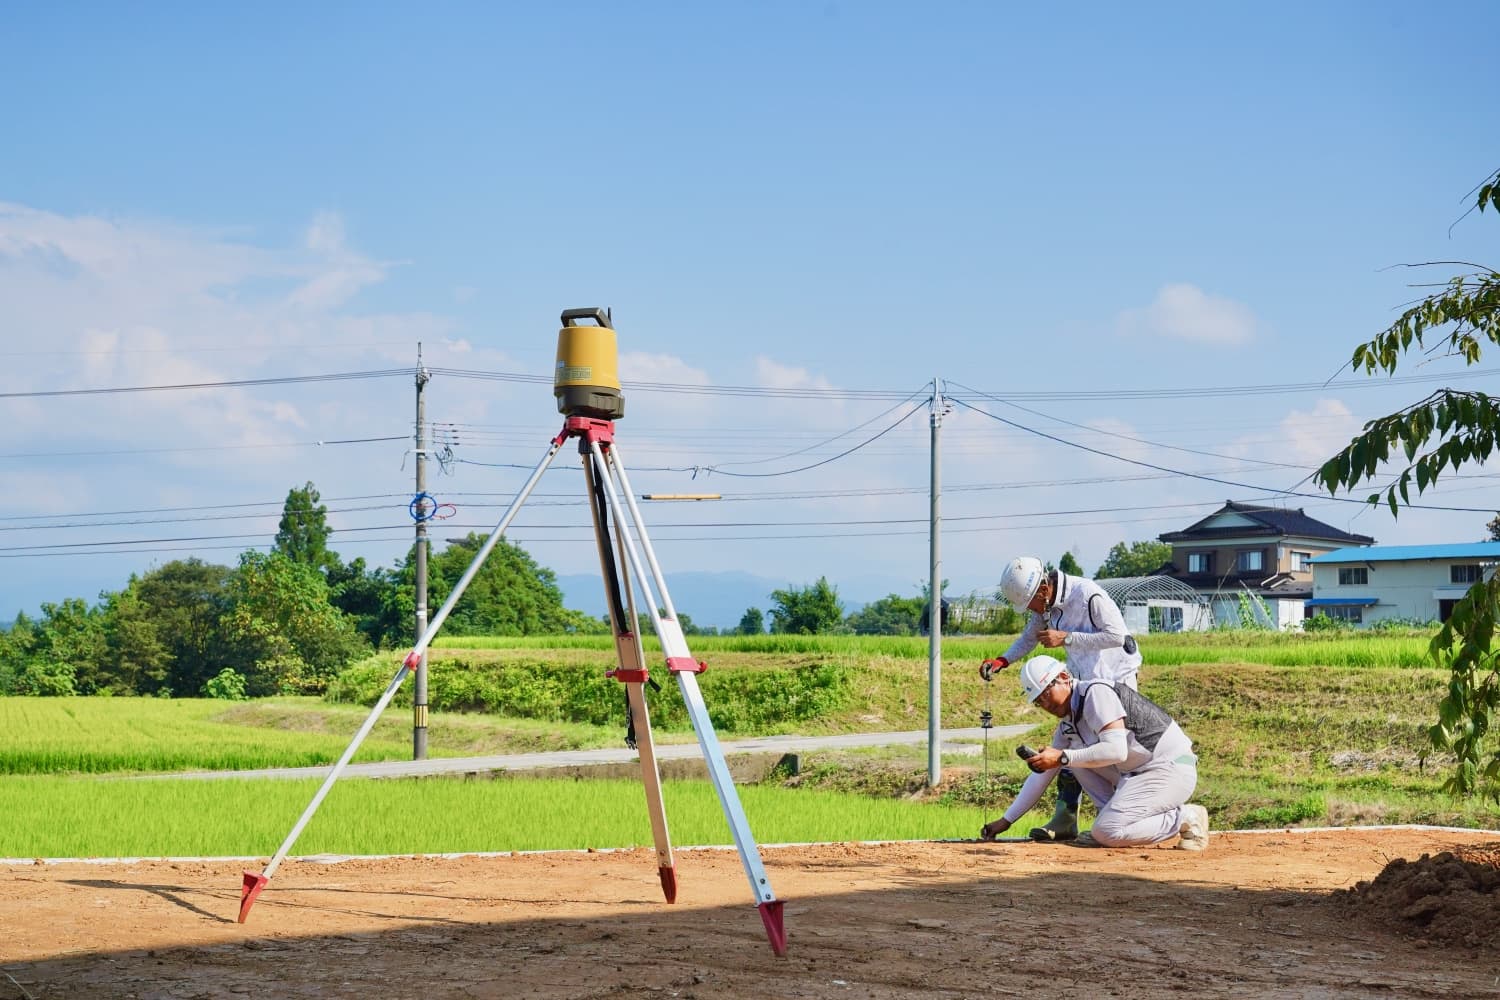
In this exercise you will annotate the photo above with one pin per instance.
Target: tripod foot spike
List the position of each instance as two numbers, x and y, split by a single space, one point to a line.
253 884
668 882
770 915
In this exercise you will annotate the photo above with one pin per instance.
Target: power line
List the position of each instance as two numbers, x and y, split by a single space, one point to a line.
229 384
1207 479
1124 437
215 447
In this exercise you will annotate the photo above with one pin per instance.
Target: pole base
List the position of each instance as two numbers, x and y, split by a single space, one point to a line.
668 882
770 915
254 883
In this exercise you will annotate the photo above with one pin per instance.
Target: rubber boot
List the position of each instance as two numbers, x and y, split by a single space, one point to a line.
1062 826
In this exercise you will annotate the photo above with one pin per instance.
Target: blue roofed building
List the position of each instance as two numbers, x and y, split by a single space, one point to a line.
1366 584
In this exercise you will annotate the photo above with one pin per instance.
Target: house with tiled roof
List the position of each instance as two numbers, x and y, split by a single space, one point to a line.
1260 557
1363 585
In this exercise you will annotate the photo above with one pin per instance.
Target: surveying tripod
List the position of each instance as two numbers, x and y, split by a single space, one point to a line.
608 488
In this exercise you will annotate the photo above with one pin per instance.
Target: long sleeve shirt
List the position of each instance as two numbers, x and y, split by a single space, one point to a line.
1096 645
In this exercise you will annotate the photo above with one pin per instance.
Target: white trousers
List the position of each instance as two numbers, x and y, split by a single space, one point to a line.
1145 808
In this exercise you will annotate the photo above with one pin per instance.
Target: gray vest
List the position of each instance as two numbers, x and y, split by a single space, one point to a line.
1143 717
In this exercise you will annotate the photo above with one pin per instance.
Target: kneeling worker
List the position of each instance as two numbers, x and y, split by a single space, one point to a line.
1133 760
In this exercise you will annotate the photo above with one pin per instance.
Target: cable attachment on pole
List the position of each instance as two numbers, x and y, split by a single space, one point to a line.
422 507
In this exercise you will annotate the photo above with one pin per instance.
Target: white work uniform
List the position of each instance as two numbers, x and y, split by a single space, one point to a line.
1097 633
1140 799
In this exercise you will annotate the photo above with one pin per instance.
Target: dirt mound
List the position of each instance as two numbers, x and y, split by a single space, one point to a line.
1450 898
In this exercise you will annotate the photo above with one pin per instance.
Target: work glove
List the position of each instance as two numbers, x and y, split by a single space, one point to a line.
988 667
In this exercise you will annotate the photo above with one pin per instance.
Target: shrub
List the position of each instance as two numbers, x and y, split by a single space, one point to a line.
228 684
47 679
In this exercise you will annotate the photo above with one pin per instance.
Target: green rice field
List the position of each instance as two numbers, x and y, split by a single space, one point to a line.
81 817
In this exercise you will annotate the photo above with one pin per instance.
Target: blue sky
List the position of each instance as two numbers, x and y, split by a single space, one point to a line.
829 197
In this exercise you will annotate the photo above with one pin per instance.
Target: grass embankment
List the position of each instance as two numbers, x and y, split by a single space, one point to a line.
1334 734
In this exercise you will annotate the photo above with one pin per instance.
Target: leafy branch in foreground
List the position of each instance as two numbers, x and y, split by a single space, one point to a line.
1440 433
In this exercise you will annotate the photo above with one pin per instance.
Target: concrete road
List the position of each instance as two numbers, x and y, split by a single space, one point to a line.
763 745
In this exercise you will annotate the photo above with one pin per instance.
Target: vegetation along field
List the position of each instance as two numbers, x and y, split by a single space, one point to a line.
1291 730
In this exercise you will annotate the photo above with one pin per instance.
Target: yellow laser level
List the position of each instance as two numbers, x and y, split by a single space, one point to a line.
587 381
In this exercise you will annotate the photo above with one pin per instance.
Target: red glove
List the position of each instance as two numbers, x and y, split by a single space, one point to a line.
988 667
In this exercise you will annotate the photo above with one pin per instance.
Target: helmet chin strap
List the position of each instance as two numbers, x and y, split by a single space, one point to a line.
1057 582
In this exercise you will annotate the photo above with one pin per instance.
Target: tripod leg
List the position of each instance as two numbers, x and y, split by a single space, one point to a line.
631 671
680 662
253 883
666 868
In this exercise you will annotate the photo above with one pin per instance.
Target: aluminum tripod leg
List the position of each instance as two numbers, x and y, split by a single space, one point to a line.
254 883
632 672
680 662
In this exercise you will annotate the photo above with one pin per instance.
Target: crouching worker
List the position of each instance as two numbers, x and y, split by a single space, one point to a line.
1135 763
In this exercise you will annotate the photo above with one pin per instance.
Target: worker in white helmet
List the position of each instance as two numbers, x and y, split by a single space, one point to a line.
1135 762
1077 616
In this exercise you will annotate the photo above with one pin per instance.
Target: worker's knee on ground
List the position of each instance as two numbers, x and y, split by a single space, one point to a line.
1110 831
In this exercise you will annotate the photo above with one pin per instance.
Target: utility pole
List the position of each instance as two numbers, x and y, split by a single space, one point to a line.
935 600
419 693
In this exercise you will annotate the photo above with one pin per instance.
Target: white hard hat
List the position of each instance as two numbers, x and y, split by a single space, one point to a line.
1036 674
1019 582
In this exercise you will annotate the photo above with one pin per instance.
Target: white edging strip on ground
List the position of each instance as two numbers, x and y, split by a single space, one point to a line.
329 859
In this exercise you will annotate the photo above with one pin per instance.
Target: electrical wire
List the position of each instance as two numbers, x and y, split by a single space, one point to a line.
228 384
214 447
788 472
1207 479
1122 437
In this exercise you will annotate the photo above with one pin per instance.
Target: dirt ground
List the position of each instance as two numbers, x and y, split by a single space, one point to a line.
1295 914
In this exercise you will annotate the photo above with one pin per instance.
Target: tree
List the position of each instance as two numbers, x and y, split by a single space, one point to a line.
509 595
1494 528
369 597
806 610
177 607
752 622
302 535
1069 565
1448 429
891 615
140 662
69 653
287 637
1138 559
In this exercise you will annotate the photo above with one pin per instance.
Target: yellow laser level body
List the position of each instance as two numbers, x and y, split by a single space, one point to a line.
587 380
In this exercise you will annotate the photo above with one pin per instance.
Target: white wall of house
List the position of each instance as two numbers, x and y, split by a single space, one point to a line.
1288 614
1172 616
1406 588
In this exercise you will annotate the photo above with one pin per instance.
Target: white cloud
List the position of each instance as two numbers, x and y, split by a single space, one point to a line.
640 366
773 375
344 272
1186 312
1312 437
97 302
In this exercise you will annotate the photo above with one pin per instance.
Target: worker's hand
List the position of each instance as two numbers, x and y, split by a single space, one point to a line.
992 830
1052 637
988 667
1046 759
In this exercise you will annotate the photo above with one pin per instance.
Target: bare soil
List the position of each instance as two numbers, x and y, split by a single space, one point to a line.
1402 913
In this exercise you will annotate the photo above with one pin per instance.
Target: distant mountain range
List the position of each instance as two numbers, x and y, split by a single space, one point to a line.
720 599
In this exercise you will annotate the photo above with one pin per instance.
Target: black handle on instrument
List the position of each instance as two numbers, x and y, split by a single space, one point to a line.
595 313
1025 752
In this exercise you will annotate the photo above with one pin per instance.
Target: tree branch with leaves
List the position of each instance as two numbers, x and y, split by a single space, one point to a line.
1439 434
